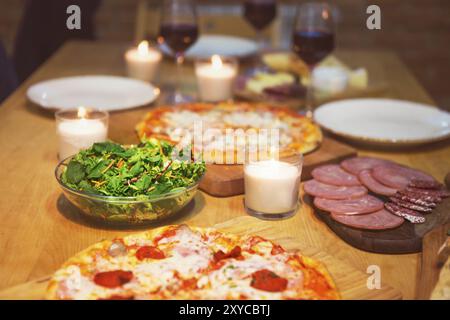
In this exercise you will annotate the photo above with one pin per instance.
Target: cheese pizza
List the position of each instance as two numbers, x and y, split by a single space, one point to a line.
295 132
181 262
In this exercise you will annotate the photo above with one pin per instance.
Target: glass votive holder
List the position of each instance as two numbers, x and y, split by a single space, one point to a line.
79 129
143 62
272 186
216 77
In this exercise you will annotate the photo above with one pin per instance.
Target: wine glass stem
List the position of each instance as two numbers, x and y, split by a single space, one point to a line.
309 102
179 58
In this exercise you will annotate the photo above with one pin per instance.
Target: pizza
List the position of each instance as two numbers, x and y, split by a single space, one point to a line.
181 262
296 133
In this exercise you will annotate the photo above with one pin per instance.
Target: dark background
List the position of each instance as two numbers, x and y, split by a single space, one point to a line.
417 30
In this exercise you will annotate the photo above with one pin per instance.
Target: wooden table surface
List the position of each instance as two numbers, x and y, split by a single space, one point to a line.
39 230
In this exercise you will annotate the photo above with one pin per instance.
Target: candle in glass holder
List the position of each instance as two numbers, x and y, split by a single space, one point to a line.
80 129
143 62
215 78
272 187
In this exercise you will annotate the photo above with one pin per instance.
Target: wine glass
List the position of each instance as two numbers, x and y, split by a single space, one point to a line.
313 40
260 13
179 31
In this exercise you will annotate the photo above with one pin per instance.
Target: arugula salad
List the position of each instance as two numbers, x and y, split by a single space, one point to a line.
147 169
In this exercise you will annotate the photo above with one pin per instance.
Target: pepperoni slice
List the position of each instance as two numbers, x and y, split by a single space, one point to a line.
268 281
398 177
357 164
323 190
333 174
234 253
113 279
378 220
424 184
366 178
149 252
365 204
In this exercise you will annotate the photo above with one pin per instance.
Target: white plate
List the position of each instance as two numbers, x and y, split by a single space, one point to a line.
207 45
384 121
102 92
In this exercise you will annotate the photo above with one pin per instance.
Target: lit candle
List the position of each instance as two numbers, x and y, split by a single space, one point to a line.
272 187
80 129
215 78
143 61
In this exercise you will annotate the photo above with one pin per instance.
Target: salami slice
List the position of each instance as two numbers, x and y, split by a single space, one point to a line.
365 176
410 215
378 220
413 198
421 196
333 174
410 205
318 189
364 204
424 184
398 177
357 164
429 192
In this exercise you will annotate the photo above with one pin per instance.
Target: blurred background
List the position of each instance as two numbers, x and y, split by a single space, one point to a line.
417 30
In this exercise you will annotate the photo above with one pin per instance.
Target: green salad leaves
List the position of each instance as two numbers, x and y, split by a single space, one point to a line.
148 169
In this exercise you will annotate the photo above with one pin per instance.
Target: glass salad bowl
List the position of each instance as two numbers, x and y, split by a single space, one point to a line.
136 210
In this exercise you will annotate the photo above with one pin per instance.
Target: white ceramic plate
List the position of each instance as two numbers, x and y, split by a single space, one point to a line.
384 121
207 45
102 92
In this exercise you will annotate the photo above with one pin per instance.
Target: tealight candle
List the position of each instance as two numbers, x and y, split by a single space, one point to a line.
143 62
272 187
80 129
215 78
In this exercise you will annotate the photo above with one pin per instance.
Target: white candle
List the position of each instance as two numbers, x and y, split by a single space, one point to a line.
142 62
271 186
79 133
215 78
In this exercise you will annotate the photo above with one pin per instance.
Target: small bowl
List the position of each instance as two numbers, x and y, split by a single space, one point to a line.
126 210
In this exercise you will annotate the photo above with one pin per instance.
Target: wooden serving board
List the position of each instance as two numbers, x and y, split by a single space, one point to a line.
350 282
408 238
228 180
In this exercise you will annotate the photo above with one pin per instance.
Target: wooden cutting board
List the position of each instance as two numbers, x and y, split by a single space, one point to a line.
408 238
351 282
228 180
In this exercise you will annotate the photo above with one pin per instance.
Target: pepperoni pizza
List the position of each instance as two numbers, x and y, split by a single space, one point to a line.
181 262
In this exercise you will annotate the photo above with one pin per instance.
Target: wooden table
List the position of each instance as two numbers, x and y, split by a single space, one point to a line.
39 230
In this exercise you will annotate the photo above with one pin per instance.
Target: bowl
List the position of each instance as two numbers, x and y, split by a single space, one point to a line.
126 210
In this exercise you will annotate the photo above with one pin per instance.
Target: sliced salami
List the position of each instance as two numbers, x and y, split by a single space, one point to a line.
410 215
398 177
410 205
357 164
415 199
421 196
364 204
333 174
366 178
318 189
424 184
378 220
429 192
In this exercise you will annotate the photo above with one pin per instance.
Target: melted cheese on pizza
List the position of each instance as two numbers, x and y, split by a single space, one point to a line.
181 263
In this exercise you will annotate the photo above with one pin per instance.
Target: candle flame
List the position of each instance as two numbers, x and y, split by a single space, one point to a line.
82 112
143 48
216 61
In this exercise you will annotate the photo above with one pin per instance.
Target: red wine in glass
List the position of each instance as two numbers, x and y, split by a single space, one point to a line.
260 13
178 36
312 46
